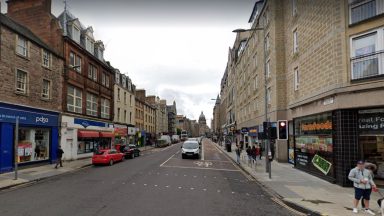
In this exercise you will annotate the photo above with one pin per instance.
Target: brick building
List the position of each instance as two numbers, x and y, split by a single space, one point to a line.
30 87
87 93
323 76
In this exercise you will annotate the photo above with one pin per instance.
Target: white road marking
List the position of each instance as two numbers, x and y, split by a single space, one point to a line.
145 184
185 175
205 176
218 191
180 187
167 186
194 176
247 194
133 183
183 167
155 185
166 174
233 192
202 152
192 188
204 189
167 160
203 164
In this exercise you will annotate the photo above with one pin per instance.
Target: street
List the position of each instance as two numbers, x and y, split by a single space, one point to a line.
158 183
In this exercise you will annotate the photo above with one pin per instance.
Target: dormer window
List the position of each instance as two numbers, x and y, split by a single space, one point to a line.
76 33
117 78
101 54
89 45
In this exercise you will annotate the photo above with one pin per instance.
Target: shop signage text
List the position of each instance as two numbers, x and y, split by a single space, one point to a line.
27 117
371 123
317 126
86 123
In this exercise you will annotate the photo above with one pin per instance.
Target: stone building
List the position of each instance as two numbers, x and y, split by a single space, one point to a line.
124 113
161 118
216 121
87 88
145 117
172 112
323 75
30 89
203 127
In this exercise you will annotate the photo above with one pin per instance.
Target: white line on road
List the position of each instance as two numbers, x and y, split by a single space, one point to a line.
184 167
202 152
167 160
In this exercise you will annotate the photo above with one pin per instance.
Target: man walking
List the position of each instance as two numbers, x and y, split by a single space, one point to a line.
59 161
362 182
238 152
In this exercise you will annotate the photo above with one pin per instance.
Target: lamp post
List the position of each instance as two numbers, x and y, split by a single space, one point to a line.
266 141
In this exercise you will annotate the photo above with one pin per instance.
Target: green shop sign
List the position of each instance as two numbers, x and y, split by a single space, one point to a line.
321 164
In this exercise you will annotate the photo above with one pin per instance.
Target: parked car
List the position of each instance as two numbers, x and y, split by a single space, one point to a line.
129 151
190 149
108 156
167 139
175 138
195 139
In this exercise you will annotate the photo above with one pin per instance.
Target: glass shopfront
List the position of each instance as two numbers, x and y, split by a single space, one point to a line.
33 144
371 138
89 145
314 144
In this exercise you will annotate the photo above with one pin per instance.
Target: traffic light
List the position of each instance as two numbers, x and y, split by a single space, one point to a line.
283 130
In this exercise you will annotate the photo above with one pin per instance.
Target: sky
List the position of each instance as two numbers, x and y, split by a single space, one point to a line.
175 49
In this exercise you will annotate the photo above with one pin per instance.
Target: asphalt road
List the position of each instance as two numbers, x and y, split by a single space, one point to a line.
158 183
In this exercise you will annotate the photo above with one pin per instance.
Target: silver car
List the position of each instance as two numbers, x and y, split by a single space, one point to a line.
190 149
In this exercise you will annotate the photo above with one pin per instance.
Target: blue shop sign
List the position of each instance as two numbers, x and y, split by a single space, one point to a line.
86 123
29 117
253 131
244 130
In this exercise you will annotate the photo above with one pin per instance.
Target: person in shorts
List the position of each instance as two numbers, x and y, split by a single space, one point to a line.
363 183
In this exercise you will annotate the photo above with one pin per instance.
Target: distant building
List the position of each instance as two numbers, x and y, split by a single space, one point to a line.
203 127
145 118
172 112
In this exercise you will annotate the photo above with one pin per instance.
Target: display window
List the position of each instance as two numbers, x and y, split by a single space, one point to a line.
89 145
371 140
314 144
33 144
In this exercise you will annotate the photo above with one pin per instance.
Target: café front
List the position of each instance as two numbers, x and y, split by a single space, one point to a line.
328 144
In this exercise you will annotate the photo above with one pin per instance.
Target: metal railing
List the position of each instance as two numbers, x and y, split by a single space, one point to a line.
366 66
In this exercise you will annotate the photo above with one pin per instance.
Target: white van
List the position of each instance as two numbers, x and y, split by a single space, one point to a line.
167 139
175 139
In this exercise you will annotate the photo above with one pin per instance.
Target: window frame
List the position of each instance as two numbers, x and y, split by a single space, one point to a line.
25 83
294 8
296 79
92 72
358 4
104 108
25 49
77 108
45 53
46 96
76 64
78 37
295 41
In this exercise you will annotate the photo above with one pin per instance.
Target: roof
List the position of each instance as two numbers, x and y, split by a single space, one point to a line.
24 31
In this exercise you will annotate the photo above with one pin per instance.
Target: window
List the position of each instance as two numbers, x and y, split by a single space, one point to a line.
268 69
107 81
103 79
46 89
125 97
266 17
92 72
21 81
118 114
296 79
46 58
269 95
105 108
22 46
75 62
365 58
267 42
76 34
241 47
256 82
295 41
294 7
74 100
130 117
118 94
130 100
34 144
117 78
363 9
89 45
125 115
91 104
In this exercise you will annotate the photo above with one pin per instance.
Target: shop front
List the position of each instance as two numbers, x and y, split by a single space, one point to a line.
121 134
314 145
371 139
81 137
37 136
252 135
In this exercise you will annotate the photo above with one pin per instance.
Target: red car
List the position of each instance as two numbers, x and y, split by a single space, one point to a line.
108 156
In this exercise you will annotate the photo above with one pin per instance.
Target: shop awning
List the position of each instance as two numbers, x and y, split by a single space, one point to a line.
107 134
121 132
87 134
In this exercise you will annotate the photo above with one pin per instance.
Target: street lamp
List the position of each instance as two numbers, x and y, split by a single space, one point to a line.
267 143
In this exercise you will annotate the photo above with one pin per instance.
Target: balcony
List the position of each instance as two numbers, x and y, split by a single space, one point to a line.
360 10
367 66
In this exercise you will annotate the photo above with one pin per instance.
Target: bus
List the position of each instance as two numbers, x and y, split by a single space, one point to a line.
184 135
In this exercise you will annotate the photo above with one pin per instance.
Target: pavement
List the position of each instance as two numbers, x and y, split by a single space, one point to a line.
159 183
302 189
39 173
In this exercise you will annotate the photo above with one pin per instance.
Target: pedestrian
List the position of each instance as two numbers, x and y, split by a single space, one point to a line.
249 154
363 183
59 161
371 168
238 152
260 151
254 153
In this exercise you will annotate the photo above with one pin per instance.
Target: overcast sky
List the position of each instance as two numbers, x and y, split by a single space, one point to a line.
176 49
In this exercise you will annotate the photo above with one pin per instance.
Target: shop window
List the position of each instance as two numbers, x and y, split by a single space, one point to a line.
313 139
371 140
33 144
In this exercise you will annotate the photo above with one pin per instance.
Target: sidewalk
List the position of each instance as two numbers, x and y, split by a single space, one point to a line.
303 189
34 174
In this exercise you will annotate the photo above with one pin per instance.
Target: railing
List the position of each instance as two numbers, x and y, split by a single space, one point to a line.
361 10
366 66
